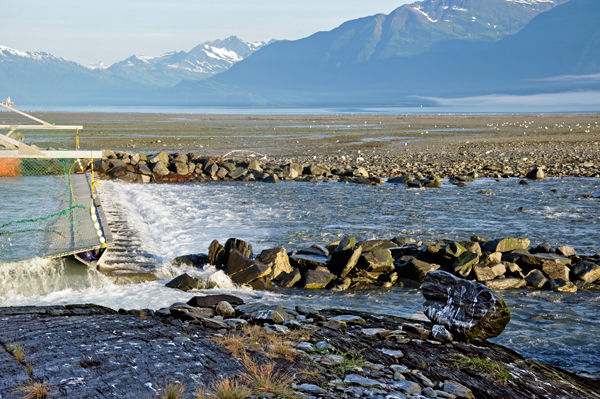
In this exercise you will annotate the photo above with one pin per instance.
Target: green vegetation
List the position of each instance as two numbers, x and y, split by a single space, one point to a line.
484 364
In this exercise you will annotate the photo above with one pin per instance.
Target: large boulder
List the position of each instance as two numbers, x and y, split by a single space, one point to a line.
196 260
185 282
342 266
243 270
505 244
317 279
377 261
467 309
239 245
216 253
278 259
416 270
586 271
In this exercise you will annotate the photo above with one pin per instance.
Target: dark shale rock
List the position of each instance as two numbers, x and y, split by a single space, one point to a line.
555 270
196 260
244 270
463 265
536 279
216 253
185 282
505 244
506 284
377 261
308 261
239 245
208 301
317 279
586 271
337 265
416 270
265 313
467 309
271 179
536 174
372 245
277 259
288 280
561 285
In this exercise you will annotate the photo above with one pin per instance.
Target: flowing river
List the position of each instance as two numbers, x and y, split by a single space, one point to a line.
161 222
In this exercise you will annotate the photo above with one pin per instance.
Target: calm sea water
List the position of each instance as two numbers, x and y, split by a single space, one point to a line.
165 221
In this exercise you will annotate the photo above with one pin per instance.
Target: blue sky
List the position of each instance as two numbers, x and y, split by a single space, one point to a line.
88 31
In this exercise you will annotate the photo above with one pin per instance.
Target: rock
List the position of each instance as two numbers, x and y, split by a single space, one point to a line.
561 285
484 273
473 247
289 172
310 388
265 313
454 250
240 245
215 324
555 270
315 170
372 245
458 390
415 183
162 157
182 168
277 259
196 260
341 284
160 169
225 309
186 312
416 330
317 279
377 261
349 319
288 280
440 333
238 173
587 271
144 169
467 309
211 170
244 270
336 325
536 279
222 173
271 179
375 333
396 354
407 387
505 244
544 248
416 270
208 301
536 174
400 179
463 265
254 166
362 180
216 253
342 265
506 284
355 379
566 251
305 262
185 282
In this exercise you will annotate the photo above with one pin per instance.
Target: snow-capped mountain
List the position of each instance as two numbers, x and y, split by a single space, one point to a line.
203 61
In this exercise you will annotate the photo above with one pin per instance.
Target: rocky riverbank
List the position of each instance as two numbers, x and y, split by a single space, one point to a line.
426 171
500 264
218 344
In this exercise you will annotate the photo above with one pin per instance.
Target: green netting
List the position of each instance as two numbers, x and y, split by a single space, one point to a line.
45 209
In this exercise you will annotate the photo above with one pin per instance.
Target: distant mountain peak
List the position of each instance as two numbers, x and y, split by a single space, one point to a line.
8 52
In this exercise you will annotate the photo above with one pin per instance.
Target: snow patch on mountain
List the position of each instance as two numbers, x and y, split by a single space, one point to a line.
8 52
418 9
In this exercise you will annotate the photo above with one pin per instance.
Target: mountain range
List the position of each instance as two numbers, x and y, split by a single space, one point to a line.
431 48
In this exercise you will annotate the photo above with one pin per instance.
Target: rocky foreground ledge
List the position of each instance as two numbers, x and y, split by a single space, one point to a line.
190 167
499 264
215 345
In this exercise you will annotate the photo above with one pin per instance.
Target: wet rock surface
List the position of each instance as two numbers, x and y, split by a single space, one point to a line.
87 351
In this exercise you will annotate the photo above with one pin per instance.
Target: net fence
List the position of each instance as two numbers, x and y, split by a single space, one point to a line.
46 209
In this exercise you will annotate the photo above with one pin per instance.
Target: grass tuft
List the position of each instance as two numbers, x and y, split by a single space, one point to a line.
226 388
172 390
29 368
263 378
484 364
34 390
19 353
